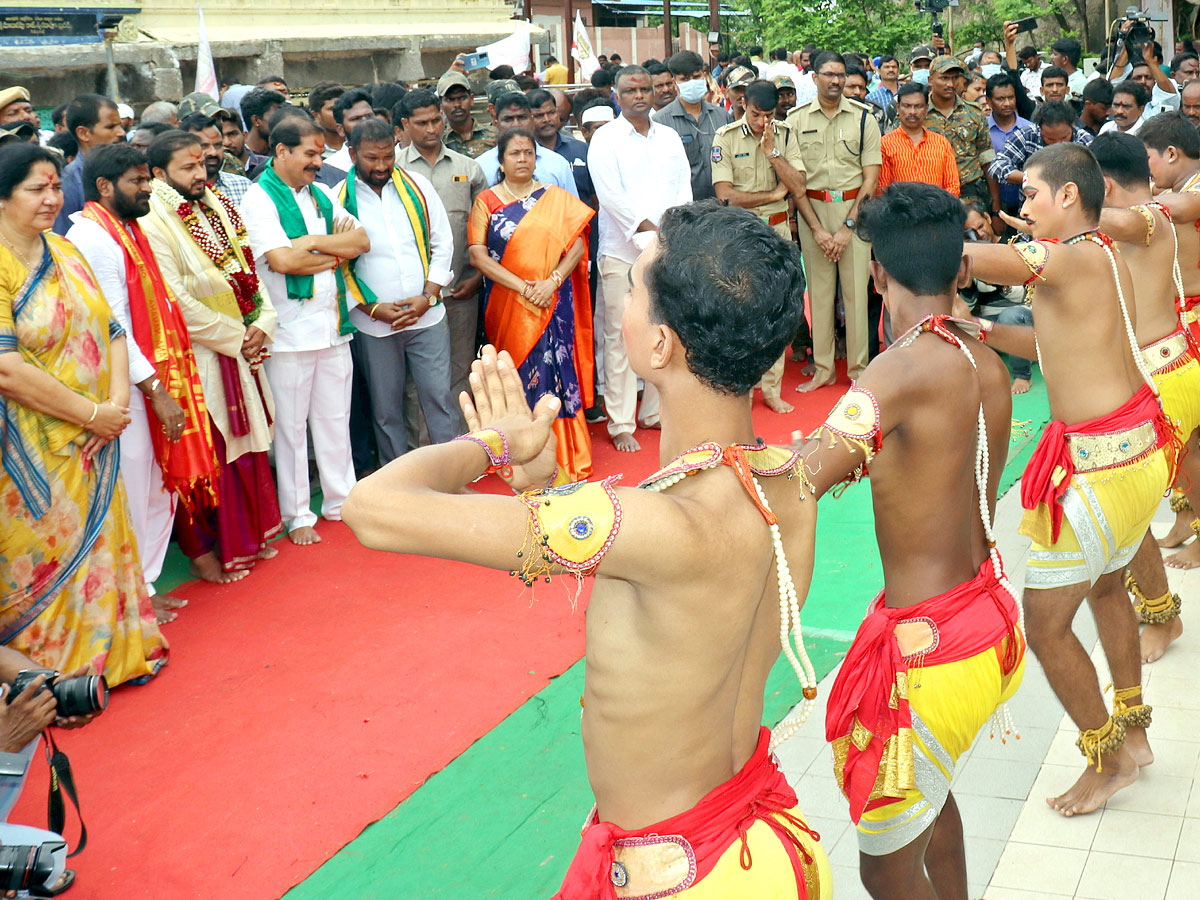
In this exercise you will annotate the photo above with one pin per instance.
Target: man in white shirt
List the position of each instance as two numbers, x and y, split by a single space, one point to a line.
1128 108
117 178
512 111
299 233
349 109
401 319
639 170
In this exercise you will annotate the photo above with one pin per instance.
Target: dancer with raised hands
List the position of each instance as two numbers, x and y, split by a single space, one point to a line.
698 579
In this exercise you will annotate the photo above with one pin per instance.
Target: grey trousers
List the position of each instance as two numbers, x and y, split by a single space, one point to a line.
425 354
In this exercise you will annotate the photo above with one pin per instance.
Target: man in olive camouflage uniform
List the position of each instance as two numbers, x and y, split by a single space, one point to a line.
463 134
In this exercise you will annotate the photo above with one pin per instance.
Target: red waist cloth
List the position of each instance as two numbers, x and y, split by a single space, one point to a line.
968 619
1038 482
1187 305
721 817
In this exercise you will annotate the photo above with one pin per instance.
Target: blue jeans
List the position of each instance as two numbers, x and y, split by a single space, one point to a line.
1015 315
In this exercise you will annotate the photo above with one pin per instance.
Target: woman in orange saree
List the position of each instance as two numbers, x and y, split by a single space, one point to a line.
530 242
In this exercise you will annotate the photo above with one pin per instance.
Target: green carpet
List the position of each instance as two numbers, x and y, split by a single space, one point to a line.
502 821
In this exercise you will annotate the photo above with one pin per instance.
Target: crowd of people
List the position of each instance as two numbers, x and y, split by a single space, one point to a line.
271 276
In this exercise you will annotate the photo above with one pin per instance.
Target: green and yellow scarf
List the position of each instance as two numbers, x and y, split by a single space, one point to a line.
418 217
300 287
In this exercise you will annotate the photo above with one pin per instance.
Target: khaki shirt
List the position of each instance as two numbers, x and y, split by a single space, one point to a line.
458 180
830 146
738 159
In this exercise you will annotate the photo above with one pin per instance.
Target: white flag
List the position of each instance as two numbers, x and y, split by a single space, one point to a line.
581 49
513 50
206 72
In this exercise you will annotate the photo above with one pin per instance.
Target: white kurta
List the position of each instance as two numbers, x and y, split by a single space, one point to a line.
151 506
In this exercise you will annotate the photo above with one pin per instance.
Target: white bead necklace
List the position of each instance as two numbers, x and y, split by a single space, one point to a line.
789 614
1002 719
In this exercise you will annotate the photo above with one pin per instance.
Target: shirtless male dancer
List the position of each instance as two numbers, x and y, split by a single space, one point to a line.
1146 237
1174 155
942 641
684 621
1091 487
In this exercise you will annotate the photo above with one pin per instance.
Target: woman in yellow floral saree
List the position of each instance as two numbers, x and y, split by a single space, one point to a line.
70 577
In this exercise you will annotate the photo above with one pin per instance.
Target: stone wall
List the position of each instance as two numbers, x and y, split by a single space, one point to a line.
362 42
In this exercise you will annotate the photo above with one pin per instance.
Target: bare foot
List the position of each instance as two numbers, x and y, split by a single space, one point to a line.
1157 638
814 384
1021 386
799 355
1093 788
657 426
165 606
304 535
626 443
1187 558
1180 531
778 404
1138 746
809 370
208 568
268 552
839 350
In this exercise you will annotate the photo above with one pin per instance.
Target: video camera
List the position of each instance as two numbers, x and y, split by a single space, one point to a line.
1140 31
934 8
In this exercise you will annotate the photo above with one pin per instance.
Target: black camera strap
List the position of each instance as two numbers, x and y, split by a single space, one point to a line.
61 777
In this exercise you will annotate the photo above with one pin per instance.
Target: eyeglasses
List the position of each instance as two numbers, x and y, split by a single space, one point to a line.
838 76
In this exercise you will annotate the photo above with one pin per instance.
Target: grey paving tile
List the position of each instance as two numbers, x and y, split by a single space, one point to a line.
1112 876
988 817
1054 870
982 856
1031 746
1137 834
996 778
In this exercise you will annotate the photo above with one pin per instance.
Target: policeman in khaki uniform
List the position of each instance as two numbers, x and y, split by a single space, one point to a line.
756 164
838 139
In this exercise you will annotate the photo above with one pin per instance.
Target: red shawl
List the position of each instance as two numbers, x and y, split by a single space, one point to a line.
722 816
188 465
969 619
1040 483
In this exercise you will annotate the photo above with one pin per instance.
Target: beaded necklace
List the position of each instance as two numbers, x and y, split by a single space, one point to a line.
1002 719
738 457
1104 242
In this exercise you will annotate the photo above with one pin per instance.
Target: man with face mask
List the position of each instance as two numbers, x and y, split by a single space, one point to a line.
693 118
919 62
159 464
400 317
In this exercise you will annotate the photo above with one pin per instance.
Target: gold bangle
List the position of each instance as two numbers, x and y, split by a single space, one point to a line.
95 411
371 312
556 277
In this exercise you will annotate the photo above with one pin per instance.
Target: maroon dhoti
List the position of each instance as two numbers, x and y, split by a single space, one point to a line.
244 517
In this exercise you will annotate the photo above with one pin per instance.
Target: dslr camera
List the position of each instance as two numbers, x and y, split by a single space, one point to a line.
80 696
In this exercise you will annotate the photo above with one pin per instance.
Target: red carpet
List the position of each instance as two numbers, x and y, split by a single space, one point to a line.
309 699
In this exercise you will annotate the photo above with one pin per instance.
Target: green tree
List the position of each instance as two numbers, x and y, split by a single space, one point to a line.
866 26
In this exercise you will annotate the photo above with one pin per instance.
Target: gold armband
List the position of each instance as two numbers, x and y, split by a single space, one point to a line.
571 527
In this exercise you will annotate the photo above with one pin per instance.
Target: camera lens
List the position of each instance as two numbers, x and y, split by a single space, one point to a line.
23 866
80 696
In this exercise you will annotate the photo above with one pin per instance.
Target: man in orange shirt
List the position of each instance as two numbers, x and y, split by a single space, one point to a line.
914 153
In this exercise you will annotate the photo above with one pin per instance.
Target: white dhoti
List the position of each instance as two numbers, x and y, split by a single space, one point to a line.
312 388
151 509
620 381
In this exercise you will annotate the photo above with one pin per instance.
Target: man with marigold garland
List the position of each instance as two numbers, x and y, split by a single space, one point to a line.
200 242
